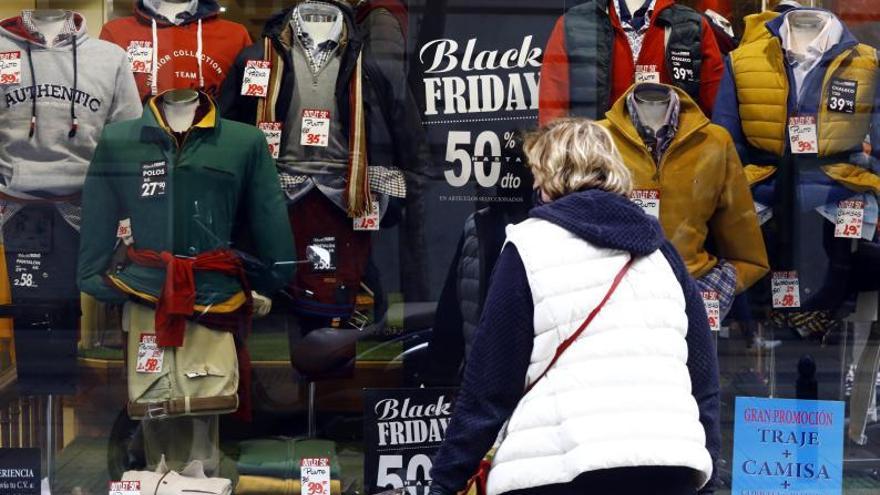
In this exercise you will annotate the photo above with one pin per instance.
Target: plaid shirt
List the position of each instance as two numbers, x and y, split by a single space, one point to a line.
722 279
635 25
656 142
69 29
317 54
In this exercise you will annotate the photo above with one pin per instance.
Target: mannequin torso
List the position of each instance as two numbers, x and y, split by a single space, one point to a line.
652 106
633 5
805 27
50 23
171 8
180 108
318 20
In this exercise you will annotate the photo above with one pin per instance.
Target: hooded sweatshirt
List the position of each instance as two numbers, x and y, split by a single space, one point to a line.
80 84
193 51
501 353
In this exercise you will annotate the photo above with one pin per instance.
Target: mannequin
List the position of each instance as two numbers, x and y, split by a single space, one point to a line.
806 25
180 107
652 104
319 18
50 22
633 5
171 8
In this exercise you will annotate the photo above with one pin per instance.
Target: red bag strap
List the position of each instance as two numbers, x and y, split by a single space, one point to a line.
570 340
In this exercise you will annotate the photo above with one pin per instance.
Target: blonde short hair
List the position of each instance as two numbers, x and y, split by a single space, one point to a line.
573 154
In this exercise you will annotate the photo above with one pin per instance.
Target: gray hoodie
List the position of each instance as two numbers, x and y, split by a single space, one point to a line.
81 84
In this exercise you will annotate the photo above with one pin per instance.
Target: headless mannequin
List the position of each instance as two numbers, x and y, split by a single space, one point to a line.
50 22
805 26
180 107
633 5
171 8
652 104
319 19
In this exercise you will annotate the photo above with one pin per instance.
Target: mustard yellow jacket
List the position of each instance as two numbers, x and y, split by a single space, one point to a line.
703 191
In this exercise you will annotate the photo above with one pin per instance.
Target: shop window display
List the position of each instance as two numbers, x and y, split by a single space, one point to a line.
224 220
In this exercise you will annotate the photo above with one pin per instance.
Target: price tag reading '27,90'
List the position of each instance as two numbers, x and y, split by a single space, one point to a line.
850 219
255 81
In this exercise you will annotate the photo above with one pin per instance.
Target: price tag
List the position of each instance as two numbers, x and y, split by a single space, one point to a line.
713 309
150 356
648 200
123 232
272 131
842 95
682 65
315 128
27 272
786 290
154 177
315 476
10 68
850 219
803 135
370 221
125 488
140 56
255 81
647 74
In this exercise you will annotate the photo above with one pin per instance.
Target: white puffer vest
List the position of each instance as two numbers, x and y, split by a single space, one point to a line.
620 396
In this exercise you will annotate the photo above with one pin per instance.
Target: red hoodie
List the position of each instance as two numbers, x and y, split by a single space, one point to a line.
176 60
554 89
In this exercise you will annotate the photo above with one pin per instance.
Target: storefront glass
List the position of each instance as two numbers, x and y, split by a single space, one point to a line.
295 317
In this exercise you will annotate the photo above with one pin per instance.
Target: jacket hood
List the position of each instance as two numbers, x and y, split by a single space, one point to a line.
278 22
604 219
690 120
14 28
847 39
205 9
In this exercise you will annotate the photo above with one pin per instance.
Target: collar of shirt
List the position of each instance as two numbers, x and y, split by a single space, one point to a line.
657 142
191 8
803 63
69 29
317 52
637 21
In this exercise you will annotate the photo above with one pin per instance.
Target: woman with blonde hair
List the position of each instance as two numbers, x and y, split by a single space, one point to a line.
593 350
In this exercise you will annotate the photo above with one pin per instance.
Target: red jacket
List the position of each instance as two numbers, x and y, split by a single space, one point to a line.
177 65
554 89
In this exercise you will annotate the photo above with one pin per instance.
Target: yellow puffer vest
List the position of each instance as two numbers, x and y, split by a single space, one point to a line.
756 26
763 88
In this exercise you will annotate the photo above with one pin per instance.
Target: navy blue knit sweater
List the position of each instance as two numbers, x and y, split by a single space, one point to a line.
496 369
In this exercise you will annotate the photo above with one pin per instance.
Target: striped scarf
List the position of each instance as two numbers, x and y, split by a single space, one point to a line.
357 190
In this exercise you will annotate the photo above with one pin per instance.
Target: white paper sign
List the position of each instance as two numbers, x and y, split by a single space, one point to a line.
315 476
803 135
255 81
123 232
786 290
648 200
124 488
315 128
713 309
150 356
140 56
647 74
272 131
850 219
370 221
10 68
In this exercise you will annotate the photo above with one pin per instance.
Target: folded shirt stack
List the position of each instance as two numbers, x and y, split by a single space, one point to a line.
271 466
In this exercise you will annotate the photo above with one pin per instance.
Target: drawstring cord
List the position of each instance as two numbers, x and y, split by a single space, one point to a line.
34 93
154 68
199 55
74 122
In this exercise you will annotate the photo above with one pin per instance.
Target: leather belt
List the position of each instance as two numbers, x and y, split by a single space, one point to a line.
182 406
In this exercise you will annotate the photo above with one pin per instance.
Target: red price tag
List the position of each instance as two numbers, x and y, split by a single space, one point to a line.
255 81
786 290
850 219
140 56
10 68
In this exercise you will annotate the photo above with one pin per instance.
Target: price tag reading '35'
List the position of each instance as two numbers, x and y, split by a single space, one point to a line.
803 134
315 128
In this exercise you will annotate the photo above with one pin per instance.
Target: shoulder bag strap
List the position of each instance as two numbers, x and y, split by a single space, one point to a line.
570 340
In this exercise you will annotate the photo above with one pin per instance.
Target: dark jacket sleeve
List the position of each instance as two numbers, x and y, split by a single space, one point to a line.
702 362
447 339
495 374
234 105
100 219
268 220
